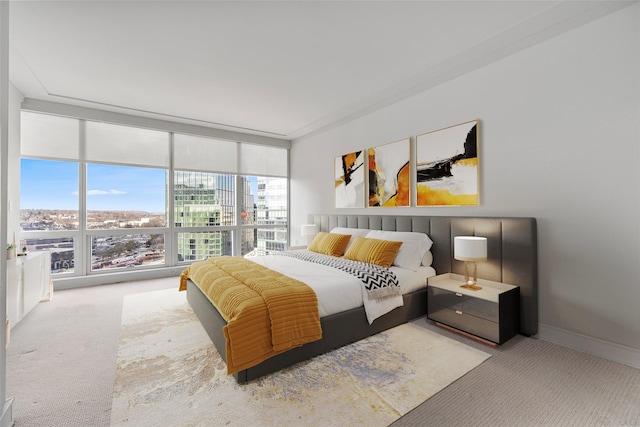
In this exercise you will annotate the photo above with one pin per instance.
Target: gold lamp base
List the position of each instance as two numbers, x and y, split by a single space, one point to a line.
471 280
471 286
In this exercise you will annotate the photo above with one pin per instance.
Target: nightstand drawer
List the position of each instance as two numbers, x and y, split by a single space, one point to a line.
466 322
457 301
490 312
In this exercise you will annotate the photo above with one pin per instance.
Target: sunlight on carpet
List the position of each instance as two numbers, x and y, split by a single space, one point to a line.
169 373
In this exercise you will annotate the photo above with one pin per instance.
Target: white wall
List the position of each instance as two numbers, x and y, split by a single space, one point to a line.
559 141
13 169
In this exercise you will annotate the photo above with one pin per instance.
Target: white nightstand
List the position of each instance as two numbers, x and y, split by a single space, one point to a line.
491 313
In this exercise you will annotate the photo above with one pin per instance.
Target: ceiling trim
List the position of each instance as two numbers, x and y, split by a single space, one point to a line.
138 110
69 110
171 116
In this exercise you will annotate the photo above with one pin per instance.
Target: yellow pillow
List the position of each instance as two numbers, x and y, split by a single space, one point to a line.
329 243
373 251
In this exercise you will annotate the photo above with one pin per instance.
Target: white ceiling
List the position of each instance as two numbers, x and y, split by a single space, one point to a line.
280 69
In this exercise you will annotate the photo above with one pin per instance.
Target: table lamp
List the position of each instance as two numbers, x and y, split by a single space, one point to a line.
470 249
308 231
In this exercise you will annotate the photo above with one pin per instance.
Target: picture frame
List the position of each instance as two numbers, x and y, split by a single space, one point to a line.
389 167
447 169
349 173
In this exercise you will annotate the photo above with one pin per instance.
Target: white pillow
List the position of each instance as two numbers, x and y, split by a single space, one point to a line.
414 246
427 259
355 232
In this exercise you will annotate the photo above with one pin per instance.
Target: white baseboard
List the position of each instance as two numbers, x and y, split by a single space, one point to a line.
605 349
6 417
60 283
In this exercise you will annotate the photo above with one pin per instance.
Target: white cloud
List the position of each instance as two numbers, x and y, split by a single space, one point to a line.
101 192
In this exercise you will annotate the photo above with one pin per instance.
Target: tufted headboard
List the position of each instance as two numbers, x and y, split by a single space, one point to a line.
512 248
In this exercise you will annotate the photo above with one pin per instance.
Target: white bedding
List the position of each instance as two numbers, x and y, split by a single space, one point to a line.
340 291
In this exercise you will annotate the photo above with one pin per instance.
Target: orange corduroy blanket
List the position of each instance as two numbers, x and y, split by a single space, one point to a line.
266 312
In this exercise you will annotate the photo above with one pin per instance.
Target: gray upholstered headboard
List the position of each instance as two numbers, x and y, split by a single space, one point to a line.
512 248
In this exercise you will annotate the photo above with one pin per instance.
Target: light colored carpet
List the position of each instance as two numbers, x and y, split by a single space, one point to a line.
168 373
61 367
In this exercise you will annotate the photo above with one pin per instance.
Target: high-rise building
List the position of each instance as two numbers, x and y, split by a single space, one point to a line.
203 199
271 209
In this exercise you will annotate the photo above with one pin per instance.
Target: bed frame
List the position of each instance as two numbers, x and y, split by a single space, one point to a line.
512 258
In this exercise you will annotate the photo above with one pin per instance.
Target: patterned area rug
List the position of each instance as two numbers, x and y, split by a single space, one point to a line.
169 374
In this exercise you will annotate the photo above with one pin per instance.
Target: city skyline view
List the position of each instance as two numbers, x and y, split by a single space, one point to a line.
49 184
200 199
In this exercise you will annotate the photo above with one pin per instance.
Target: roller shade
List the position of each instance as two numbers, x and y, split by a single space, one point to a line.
196 153
108 143
46 136
263 160
61 138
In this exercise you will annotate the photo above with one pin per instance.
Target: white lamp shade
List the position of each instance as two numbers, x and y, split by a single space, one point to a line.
308 230
470 248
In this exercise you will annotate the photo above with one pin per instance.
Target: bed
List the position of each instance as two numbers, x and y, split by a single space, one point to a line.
512 258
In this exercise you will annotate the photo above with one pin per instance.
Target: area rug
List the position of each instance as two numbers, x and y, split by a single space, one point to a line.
168 373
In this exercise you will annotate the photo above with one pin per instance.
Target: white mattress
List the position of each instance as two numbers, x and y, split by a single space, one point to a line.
340 291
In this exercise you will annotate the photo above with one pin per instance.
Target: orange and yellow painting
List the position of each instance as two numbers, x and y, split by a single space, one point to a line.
447 166
389 174
349 180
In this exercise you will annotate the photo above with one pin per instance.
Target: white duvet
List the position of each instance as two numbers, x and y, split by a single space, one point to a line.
340 291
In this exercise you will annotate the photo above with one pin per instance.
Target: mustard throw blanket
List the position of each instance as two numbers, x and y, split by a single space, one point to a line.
266 312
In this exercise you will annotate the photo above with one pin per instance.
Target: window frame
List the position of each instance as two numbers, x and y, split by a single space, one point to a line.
83 236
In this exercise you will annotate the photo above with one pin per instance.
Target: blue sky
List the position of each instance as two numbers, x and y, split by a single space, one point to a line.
48 184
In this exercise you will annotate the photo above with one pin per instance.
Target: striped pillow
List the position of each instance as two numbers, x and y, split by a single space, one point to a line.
373 251
329 243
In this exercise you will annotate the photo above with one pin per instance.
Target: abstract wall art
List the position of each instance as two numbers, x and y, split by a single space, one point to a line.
447 166
349 180
389 174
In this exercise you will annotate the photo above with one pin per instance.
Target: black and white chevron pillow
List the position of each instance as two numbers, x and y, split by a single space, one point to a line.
379 282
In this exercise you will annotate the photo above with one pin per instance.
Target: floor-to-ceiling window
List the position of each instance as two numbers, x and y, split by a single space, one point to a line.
49 210
126 216
108 198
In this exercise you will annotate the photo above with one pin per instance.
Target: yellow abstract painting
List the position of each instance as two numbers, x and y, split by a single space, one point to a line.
447 166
